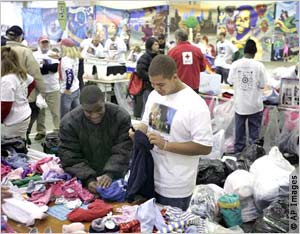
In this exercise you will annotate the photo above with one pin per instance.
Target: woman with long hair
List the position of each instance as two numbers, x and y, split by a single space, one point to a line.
16 85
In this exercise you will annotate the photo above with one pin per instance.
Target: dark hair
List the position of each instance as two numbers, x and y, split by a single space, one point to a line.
162 65
149 43
91 94
250 47
181 35
10 63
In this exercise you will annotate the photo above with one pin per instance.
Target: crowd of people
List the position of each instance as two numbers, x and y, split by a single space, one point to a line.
97 137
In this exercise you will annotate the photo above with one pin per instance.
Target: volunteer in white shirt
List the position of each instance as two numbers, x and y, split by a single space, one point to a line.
16 85
177 121
248 77
48 61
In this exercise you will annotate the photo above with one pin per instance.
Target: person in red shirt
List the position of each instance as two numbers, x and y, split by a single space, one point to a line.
189 59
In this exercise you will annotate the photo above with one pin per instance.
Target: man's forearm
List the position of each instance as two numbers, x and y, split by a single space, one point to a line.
187 148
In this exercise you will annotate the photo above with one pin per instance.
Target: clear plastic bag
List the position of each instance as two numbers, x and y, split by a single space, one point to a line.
218 146
120 90
204 202
272 130
41 102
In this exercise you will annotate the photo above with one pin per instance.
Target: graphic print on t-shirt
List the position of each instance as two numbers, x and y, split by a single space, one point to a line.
113 46
161 117
245 79
187 58
222 50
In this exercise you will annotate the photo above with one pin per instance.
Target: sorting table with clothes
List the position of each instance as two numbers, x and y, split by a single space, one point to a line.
53 224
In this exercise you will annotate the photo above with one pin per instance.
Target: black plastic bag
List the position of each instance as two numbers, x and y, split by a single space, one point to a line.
17 143
249 155
275 217
50 144
211 172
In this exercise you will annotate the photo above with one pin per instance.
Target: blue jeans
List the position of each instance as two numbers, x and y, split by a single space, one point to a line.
182 203
68 102
254 125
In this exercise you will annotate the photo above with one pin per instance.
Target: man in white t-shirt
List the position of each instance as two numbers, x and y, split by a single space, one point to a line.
226 54
248 78
48 61
177 121
92 47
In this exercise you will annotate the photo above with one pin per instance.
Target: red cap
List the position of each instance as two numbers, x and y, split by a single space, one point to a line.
43 38
67 42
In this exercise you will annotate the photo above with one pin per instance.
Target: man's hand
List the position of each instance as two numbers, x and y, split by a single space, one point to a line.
92 187
157 140
104 181
67 92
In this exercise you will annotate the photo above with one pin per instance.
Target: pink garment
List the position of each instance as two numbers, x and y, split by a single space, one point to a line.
15 174
291 120
51 166
5 170
37 165
73 189
57 189
41 198
128 214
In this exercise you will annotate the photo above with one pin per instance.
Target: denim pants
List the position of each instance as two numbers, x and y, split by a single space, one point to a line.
68 102
182 203
254 126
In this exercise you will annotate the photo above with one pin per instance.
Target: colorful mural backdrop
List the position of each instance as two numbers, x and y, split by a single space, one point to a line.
32 24
110 20
285 17
243 22
80 23
147 22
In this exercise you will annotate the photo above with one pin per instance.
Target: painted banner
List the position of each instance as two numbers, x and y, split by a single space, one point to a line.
147 22
51 26
285 17
80 23
32 24
243 22
110 20
201 18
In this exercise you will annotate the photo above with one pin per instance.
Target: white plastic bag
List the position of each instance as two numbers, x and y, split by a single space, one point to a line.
271 172
240 182
41 102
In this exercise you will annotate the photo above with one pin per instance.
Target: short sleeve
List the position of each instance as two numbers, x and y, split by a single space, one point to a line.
8 89
200 125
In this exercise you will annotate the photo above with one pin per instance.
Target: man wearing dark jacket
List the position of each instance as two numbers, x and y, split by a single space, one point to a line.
94 142
152 49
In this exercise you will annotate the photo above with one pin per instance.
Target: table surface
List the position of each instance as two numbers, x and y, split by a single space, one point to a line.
102 81
53 223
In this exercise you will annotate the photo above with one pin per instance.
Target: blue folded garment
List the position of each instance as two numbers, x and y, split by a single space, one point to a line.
115 192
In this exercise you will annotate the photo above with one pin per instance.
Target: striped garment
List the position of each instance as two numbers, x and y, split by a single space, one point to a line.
182 219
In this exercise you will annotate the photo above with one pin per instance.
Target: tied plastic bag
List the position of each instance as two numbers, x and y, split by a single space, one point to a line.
41 102
223 116
271 174
241 182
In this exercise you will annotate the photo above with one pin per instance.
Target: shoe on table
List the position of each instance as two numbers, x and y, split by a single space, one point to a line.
39 136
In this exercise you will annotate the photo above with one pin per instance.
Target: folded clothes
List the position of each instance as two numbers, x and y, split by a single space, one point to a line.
97 209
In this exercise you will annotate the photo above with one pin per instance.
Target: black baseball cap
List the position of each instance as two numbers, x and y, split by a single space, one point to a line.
15 31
